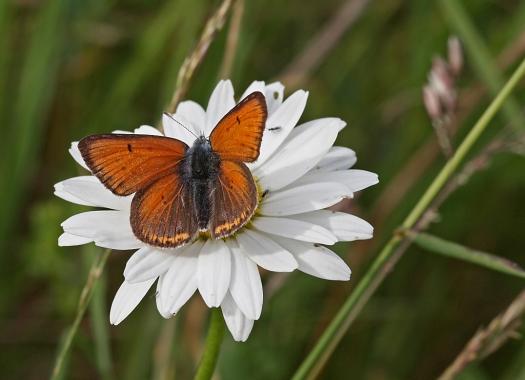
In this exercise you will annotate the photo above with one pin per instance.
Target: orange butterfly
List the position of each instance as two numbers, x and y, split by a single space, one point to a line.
181 191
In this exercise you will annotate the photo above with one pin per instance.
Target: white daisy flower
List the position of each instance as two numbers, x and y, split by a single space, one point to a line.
300 174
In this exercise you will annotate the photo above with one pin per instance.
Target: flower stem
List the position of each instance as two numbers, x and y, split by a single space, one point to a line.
213 345
380 267
85 297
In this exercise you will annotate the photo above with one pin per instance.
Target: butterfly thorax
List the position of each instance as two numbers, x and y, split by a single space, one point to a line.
200 171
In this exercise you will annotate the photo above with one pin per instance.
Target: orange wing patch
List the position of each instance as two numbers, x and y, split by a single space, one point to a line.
238 134
235 199
127 163
163 214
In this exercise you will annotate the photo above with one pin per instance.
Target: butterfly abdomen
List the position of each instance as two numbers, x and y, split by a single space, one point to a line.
201 168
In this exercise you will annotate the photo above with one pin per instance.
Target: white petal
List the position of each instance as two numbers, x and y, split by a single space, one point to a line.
303 198
317 260
240 327
220 103
253 87
304 148
110 229
280 124
265 252
147 263
213 274
274 94
294 229
245 287
88 191
337 158
180 281
346 227
192 116
75 153
160 301
68 240
127 298
148 130
354 179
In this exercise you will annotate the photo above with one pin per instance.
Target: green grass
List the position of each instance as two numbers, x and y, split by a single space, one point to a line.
68 69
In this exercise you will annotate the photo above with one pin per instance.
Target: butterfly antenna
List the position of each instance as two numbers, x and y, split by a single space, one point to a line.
182 125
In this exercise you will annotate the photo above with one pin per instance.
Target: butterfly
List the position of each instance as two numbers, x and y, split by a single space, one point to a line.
181 191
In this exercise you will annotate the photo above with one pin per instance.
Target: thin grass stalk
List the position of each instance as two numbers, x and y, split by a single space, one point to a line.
190 64
87 292
488 340
99 324
328 341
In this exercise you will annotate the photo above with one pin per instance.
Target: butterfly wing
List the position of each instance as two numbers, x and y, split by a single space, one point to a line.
234 199
163 214
127 163
238 134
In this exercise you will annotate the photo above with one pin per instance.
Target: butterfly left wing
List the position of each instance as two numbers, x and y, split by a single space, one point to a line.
234 199
163 214
127 163
238 134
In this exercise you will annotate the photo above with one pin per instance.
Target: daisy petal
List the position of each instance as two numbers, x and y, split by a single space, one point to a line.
354 179
304 148
69 240
180 281
253 87
240 327
284 118
304 198
337 158
192 117
265 252
147 130
221 102
146 263
110 229
126 300
245 287
274 94
317 260
213 274
345 226
88 191
75 153
160 301
294 229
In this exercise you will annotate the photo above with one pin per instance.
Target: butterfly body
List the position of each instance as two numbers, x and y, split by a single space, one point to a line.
200 170
178 190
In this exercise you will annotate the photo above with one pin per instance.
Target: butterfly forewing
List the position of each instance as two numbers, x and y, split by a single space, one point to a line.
234 199
238 134
163 214
127 163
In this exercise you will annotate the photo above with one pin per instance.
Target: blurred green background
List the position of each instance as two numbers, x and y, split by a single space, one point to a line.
72 68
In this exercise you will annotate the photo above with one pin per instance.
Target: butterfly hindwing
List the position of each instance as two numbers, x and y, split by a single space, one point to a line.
238 134
234 199
163 214
127 163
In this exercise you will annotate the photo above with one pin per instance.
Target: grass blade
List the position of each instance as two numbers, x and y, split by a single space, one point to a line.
460 252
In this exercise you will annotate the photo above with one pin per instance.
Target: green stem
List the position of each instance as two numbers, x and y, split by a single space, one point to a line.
327 343
213 346
85 297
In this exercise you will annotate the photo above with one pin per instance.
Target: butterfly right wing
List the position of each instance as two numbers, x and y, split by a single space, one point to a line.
127 163
163 214
234 199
